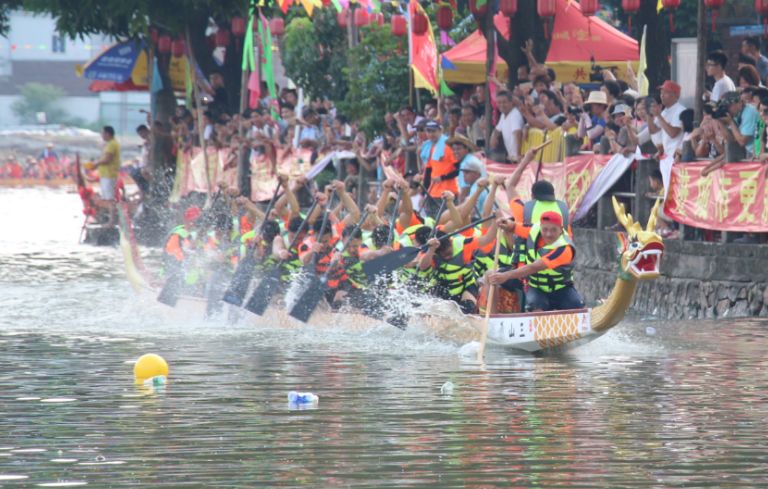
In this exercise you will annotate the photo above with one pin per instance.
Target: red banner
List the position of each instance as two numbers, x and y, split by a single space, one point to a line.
733 198
571 178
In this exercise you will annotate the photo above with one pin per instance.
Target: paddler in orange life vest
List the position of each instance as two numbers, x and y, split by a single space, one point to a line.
441 170
548 267
543 199
453 275
187 247
324 247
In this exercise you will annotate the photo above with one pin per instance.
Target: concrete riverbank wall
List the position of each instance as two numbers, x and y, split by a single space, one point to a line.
698 280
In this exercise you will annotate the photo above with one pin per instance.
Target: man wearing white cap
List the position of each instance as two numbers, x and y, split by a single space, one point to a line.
616 139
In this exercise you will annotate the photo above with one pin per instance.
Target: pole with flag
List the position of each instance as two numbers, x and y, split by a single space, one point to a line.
642 78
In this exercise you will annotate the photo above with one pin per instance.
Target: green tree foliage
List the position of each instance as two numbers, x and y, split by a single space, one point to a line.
314 52
377 77
39 97
5 8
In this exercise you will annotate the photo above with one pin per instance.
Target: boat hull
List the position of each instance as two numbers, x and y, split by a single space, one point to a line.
530 332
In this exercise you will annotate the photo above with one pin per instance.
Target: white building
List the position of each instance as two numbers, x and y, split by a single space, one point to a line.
35 52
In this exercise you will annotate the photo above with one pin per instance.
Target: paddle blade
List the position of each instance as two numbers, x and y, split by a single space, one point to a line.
309 300
238 287
169 294
389 262
259 300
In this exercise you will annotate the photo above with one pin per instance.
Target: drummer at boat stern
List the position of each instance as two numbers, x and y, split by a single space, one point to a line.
548 266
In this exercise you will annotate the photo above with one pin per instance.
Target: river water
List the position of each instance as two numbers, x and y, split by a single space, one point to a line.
650 404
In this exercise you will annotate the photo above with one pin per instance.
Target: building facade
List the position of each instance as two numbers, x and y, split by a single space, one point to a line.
35 52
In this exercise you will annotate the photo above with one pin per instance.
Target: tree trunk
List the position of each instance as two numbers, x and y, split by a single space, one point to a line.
526 24
490 53
656 42
155 220
701 58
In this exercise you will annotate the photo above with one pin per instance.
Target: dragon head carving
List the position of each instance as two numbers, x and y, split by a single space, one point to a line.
641 249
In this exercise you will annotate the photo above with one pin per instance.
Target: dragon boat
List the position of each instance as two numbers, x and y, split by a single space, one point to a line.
641 250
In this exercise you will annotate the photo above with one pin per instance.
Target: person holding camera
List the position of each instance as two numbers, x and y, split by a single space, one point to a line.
617 139
738 121
665 120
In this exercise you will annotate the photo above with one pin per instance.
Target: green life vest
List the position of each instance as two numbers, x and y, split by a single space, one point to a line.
453 276
484 261
354 268
250 235
533 210
548 280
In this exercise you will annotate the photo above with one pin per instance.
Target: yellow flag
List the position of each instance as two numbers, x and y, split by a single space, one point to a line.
642 80
659 6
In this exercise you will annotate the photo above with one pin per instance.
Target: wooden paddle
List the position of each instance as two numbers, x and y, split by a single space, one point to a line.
392 261
238 287
263 293
489 302
307 303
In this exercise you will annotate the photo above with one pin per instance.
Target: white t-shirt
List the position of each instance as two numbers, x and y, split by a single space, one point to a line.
672 116
722 86
508 125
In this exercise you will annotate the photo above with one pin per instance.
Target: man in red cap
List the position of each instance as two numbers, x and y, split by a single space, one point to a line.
665 126
548 267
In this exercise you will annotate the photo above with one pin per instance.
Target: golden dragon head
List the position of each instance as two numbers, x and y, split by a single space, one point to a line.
641 249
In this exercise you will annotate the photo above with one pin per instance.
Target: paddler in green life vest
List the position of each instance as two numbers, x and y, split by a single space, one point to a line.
291 264
353 282
180 245
450 262
548 267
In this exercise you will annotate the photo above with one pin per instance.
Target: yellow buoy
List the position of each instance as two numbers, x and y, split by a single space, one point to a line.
88 165
148 366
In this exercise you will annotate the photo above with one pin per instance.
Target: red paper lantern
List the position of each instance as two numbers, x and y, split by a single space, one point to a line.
342 18
590 7
508 7
546 8
277 26
164 44
671 5
222 38
478 12
630 7
761 6
445 17
177 48
238 26
715 6
361 17
378 19
419 24
400 26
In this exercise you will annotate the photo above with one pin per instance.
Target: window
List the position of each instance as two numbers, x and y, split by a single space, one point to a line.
58 44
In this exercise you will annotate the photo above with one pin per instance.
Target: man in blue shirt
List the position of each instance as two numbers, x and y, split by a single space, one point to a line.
739 123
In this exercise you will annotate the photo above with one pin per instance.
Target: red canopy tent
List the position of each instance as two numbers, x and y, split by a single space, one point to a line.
575 40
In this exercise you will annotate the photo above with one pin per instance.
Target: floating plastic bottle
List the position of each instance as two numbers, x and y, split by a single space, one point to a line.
156 381
303 398
447 388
